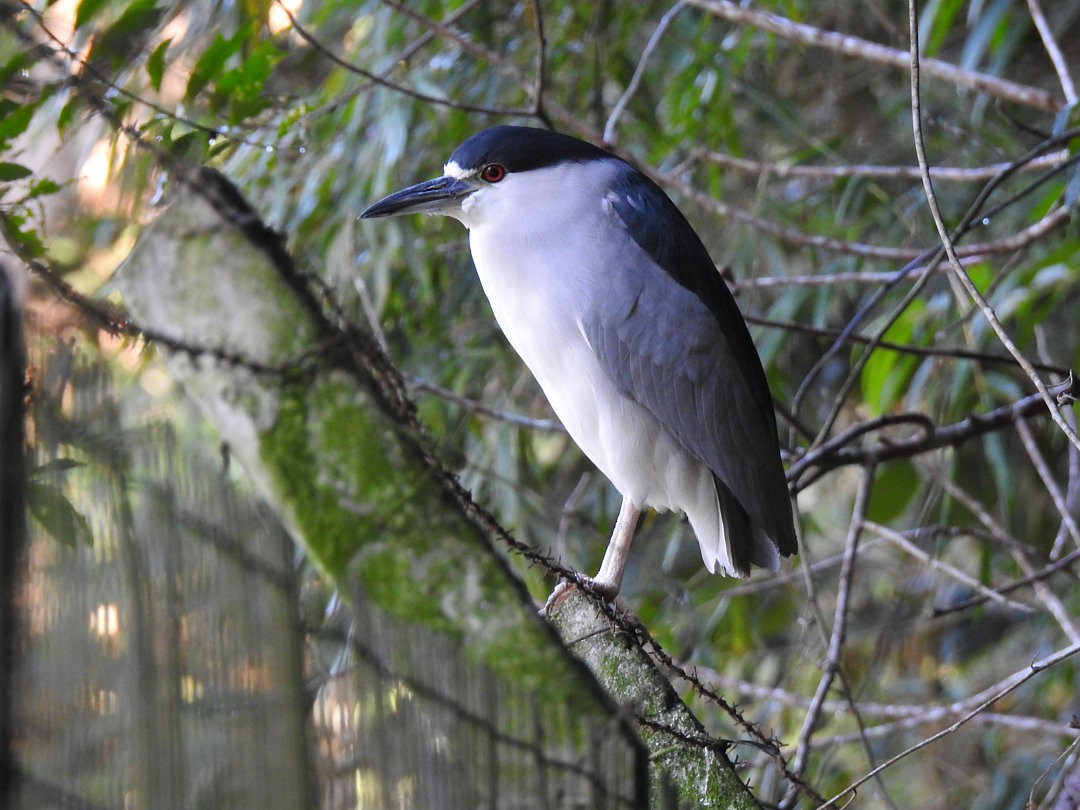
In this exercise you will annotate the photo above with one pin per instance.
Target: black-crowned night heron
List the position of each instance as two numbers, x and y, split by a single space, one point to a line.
611 299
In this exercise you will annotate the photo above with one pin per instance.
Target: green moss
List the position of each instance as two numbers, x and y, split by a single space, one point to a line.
360 508
288 453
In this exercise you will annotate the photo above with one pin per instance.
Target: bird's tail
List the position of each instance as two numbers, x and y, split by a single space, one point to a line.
730 542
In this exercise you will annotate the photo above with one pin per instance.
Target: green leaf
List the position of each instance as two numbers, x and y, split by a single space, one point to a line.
936 22
894 486
57 465
212 61
155 65
14 119
67 113
13 171
1064 118
981 38
886 374
43 187
87 9
1072 190
981 275
242 87
119 40
52 509
15 64
26 239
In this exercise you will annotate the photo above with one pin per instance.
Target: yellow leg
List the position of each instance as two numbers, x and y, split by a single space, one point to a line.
608 581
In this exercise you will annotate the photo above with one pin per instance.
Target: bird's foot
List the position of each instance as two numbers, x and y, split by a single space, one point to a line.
605 590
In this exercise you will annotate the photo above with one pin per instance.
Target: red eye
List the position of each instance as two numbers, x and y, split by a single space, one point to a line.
493 173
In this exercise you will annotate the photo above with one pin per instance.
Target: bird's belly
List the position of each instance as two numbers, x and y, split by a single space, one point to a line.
621 437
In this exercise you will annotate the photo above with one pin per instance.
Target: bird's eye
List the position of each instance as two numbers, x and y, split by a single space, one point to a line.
493 172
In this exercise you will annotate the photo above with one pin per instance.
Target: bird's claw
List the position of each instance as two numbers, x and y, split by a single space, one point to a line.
606 591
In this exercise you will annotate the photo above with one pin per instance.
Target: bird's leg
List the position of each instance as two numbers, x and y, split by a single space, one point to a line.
609 579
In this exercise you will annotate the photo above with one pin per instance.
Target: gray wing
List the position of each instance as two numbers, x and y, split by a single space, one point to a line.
686 355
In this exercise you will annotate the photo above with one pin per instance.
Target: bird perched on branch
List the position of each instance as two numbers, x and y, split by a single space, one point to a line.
608 295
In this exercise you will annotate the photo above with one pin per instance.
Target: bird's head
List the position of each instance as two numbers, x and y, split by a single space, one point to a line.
506 165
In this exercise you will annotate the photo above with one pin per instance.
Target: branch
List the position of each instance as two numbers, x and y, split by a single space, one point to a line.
1047 477
381 81
833 453
840 615
475 406
541 65
699 768
1048 571
981 701
639 71
1053 218
1053 50
950 352
1049 600
959 174
898 539
909 715
947 240
880 54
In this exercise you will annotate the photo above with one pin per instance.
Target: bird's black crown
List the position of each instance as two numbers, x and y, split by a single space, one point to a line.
519 149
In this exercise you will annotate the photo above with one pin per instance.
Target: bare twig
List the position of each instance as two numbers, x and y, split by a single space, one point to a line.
1048 599
1072 490
931 258
905 715
478 407
541 65
1054 218
1032 725
382 81
1044 573
1053 50
980 702
942 352
840 614
947 243
639 71
404 55
880 54
835 452
1064 792
1047 478
898 539
958 174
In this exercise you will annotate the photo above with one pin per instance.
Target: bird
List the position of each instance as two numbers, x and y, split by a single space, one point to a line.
609 296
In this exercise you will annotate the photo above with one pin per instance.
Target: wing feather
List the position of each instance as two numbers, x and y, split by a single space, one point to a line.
668 332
